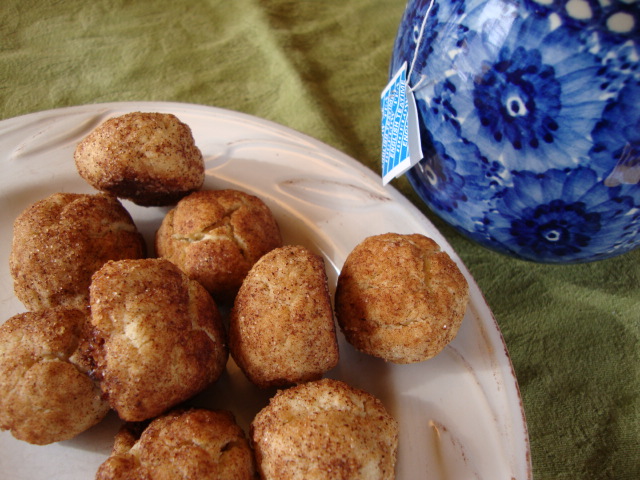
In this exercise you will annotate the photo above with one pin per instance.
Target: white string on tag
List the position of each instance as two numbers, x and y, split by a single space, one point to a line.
418 43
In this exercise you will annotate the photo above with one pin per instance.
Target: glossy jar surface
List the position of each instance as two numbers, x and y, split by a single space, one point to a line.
530 122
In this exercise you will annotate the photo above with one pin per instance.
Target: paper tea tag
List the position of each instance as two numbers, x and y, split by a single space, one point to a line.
401 148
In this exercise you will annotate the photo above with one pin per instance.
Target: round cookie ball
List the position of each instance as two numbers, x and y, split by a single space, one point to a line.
400 298
325 430
60 241
215 237
148 158
186 444
281 329
47 394
158 337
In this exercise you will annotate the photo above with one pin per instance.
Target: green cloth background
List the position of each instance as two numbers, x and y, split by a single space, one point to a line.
319 67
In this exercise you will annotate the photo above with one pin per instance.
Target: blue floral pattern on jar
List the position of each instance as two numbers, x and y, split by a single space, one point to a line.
530 122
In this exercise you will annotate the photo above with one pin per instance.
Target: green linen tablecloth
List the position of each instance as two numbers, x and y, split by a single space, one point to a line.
319 67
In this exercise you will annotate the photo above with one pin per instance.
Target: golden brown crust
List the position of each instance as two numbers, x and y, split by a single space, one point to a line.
47 395
325 430
60 241
400 298
281 329
157 337
191 444
216 237
148 158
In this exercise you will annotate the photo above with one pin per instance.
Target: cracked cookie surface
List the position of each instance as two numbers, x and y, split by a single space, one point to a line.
47 394
157 336
215 237
182 444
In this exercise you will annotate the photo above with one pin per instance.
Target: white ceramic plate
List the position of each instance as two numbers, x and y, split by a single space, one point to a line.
460 413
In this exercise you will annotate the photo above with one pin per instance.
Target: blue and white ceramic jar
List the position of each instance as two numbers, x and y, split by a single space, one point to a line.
530 122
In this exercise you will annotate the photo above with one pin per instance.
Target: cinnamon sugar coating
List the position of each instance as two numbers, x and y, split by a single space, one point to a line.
185 444
325 430
60 241
281 329
47 394
400 298
148 158
158 337
215 237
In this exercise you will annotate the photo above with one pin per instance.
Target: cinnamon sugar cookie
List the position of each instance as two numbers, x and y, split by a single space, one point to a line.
148 158
325 430
60 241
281 328
184 444
215 237
158 337
47 394
400 298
